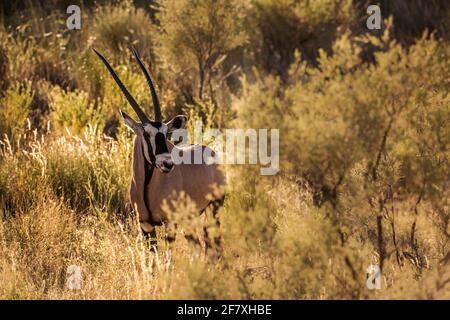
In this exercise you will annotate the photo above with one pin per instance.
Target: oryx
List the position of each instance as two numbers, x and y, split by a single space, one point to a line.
203 183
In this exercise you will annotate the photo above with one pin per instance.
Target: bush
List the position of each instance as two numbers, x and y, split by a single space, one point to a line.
88 172
352 131
74 111
279 28
118 27
205 32
14 110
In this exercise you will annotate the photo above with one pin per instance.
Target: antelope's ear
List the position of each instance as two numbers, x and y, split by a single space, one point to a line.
179 122
133 125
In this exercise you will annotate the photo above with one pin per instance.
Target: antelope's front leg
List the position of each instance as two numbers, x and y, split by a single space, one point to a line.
150 236
171 232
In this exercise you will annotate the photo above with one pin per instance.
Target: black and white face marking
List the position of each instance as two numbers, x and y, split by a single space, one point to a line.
154 137
155 133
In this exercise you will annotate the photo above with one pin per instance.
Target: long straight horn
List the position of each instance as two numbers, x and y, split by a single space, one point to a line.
150 84
133 103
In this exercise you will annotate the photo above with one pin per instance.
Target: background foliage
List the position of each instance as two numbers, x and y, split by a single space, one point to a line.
364 122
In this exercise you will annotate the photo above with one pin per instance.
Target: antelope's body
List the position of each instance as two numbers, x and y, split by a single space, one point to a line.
151 188
156 179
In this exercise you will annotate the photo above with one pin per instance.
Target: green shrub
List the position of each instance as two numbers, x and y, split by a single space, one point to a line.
89 172
117 27
205 32
73 110
14 110
279 28
368 139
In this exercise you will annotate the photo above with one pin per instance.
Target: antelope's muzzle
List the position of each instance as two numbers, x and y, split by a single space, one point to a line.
164 162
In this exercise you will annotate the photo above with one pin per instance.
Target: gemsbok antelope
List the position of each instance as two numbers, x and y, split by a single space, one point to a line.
202 183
